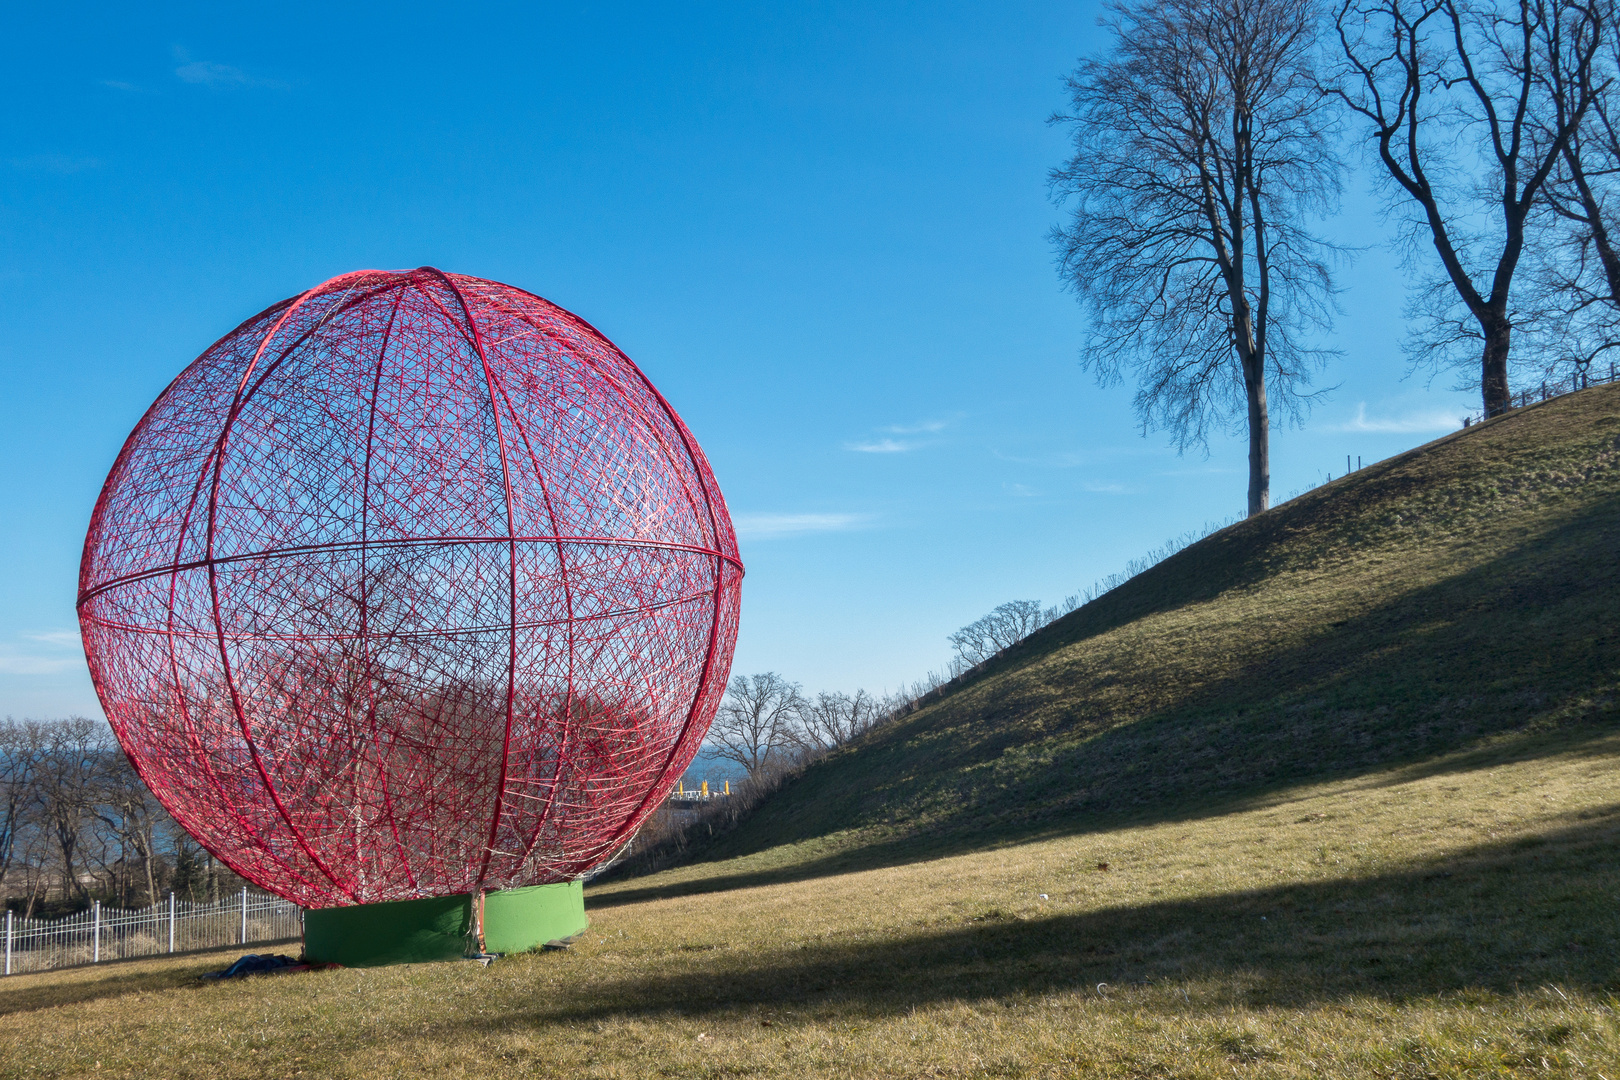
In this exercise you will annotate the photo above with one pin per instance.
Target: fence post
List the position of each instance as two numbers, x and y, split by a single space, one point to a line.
171 920
8 940
244 915
95 949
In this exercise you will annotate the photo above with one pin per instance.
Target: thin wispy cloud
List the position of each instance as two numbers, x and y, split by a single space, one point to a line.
61 164
54 652
208 73
1406 424
1044 461
13 664
56 637
888 444
927 427
1075 459
1104 487
882 446
212 73
1021 491
775 526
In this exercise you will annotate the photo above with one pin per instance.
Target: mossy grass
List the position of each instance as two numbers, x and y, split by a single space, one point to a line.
1332 793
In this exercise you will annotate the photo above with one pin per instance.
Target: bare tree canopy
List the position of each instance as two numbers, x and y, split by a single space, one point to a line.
1009 623
757 723
130 817
1456 97
68 775
833 719
1577 283
76 821
21 746
1202 149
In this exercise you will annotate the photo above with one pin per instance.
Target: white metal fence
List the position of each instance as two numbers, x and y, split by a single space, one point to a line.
173 925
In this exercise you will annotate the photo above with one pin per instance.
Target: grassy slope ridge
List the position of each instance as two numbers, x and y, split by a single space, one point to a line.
1461 594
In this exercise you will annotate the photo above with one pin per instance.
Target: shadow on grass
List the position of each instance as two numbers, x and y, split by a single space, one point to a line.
1508 660
1493 918
75 986
1596 741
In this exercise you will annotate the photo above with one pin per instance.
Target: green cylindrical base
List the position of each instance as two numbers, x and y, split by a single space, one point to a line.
441 927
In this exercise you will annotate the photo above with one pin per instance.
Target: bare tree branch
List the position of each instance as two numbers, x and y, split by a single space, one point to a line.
1007 624
1576 278
1454 94
758 722
1202 147
832 719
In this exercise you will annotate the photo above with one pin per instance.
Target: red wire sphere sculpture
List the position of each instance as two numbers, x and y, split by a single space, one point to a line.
411 585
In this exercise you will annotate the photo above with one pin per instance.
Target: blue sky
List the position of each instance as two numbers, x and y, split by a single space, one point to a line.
819 228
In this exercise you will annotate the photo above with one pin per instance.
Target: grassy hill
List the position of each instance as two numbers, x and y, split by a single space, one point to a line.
1465 595
1330 793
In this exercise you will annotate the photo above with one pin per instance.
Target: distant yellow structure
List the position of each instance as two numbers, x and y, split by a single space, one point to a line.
700 792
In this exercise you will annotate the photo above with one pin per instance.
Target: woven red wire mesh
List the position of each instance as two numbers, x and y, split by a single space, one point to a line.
410 585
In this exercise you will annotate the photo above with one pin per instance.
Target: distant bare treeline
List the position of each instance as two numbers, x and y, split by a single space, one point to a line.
771 729
768 726
77 824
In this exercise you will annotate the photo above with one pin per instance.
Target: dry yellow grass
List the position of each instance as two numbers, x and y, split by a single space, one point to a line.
1452 920
1350 767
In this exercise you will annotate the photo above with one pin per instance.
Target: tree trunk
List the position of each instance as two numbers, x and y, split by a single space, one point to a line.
71 885
151 880
1254 384
1493 381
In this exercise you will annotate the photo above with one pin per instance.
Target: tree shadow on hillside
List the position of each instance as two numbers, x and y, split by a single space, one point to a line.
1512 659
1493 918
909 848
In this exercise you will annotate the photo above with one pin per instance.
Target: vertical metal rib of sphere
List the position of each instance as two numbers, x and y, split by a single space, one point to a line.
410 585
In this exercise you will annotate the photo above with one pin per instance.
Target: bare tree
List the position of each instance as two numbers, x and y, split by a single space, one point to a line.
1578 277
68 772
833 719
1202 149
756 725
1011 622
20 747
128 814
1451 91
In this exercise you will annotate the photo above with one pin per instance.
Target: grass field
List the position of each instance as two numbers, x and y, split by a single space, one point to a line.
1454 920
1332 793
